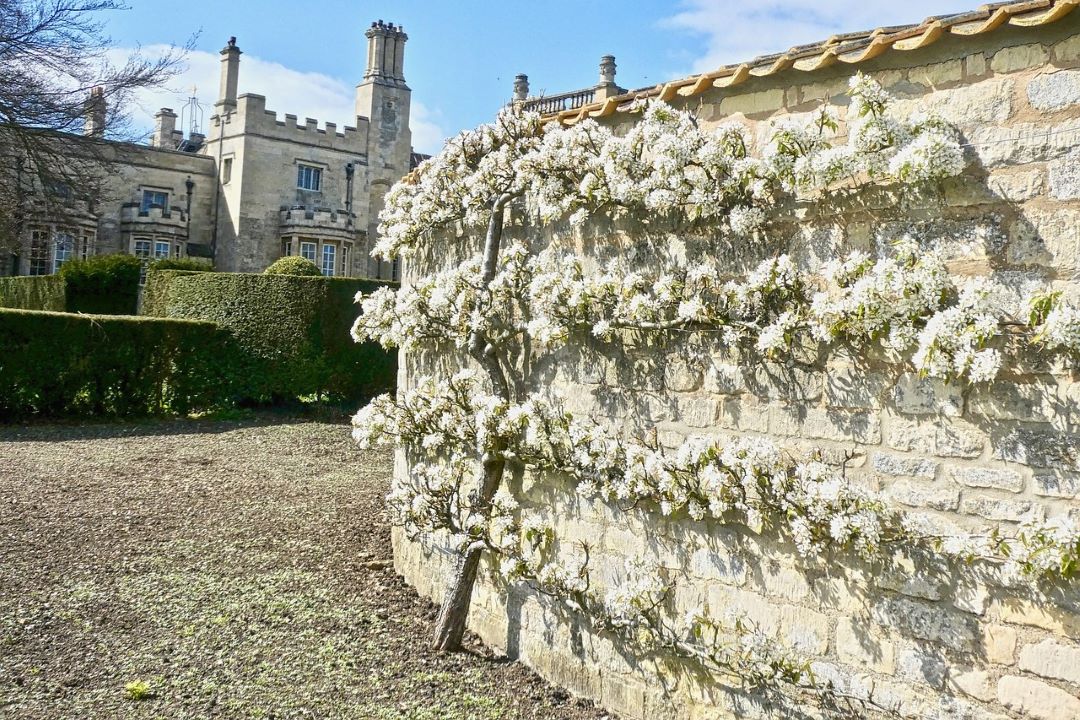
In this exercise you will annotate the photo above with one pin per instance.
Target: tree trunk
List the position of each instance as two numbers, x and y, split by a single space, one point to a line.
450 625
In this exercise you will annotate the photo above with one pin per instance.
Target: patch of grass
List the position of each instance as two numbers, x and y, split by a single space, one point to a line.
138 690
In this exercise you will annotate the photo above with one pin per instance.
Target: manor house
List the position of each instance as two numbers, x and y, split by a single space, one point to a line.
253 188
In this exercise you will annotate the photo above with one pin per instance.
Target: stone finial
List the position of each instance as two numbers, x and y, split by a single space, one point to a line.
521 87
607 70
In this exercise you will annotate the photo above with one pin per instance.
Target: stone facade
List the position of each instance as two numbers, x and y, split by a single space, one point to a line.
928 639
251 189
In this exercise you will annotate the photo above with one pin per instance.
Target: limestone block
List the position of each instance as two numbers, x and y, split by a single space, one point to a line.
620 541
718 564
905 577
999 644
921 666
939 74
1067 50
911 435
755 608
903 466
1056 484
1044 448
971 597
995 509
784 582
778 382
975 64
724 378
842 426
854 388
926 621
958 438
916 493
698 411
1016 186
974 683
1065 176
1036 699
856 646
1019 611
623 695
784 420
1011 291
764 101
831 91
1018 57
744 417
1050 91
1051 659
1024 142
805 630
670 439
680 376
1045 236
987 478
914 395
969 106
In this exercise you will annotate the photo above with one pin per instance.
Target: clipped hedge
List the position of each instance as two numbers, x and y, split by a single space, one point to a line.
295 328
188 263
102 284
38 292
293 265
62 364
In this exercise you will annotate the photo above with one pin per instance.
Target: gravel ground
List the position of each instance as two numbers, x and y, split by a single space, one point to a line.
221 570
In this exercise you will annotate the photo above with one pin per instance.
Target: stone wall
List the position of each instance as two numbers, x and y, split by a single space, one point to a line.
935 641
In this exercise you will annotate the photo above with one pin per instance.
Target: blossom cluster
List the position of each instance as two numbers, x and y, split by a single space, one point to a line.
906 302
878 146
447 427
1055 323
665 165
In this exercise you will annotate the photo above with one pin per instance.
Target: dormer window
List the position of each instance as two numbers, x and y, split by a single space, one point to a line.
154 199
308 177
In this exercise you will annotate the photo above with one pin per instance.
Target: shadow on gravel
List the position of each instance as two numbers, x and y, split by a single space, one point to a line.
103 429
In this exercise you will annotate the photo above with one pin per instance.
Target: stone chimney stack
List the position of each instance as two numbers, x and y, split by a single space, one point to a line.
164 128
94 115
386 53
230 76
606 87
521 87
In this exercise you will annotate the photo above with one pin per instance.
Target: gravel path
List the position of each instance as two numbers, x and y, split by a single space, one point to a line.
221 570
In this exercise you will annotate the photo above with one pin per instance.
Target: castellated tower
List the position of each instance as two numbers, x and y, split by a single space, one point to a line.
384 98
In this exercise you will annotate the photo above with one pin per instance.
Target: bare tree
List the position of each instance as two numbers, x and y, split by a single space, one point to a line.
61 97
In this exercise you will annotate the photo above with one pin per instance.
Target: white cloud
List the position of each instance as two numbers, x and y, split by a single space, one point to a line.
736 30
304 94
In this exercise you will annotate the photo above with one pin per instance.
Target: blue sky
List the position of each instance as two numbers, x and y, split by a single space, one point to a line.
462 56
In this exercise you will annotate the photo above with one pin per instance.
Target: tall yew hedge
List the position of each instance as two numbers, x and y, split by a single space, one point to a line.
37 292
295 330
100 285
60 364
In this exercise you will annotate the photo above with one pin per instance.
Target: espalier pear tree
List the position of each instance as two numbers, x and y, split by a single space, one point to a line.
478 312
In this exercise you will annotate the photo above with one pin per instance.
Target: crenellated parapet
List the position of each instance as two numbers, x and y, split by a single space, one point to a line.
318 222
252 118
